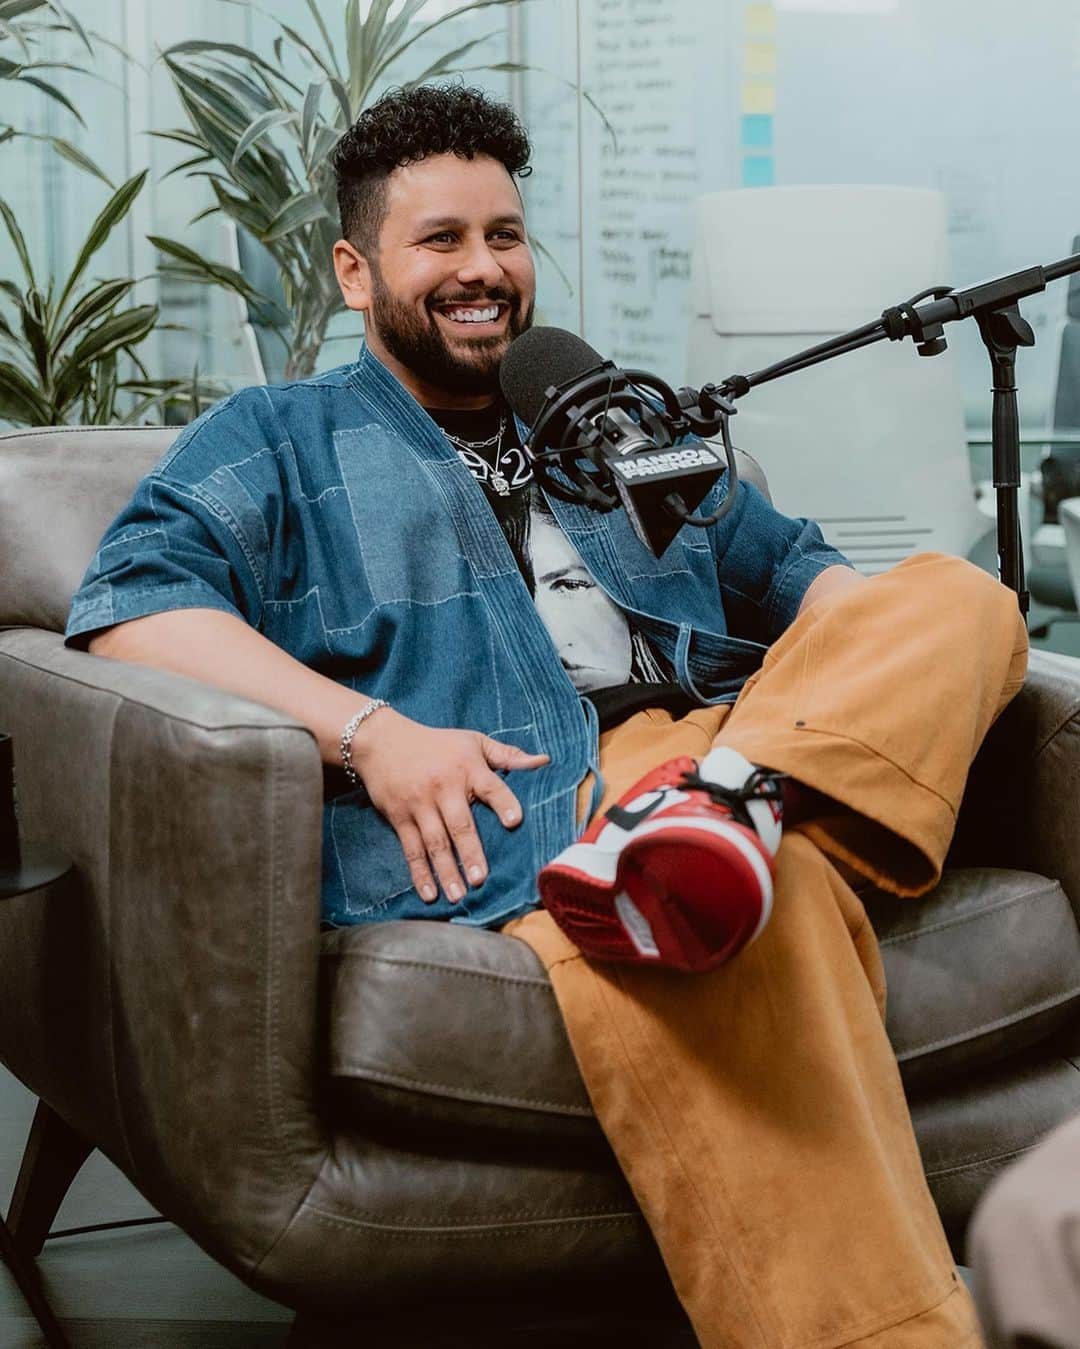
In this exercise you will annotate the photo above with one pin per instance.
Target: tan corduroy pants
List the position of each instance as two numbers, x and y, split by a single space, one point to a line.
757 1109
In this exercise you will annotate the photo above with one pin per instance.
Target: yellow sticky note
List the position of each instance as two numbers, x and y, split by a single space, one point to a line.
760 20
759 98
759 58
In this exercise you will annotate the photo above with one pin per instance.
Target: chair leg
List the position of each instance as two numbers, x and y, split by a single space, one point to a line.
52 1158
29 1282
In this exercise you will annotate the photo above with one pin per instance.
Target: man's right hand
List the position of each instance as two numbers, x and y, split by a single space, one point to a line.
424 780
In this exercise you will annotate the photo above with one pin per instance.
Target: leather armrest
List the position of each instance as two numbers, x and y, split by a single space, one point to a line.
1022 805
185 972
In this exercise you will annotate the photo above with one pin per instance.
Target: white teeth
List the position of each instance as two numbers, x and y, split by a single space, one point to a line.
474 315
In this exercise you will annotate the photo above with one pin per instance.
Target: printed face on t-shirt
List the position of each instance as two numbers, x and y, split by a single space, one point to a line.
590 633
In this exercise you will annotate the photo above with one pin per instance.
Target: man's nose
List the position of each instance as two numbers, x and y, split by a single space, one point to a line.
480 266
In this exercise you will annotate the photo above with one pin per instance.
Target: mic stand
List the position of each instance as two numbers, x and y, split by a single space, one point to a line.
994 305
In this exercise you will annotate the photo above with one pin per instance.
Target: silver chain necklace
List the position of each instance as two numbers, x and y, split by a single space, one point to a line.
497 478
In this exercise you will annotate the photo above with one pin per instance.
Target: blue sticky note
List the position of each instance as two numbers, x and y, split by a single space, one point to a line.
758 171
757 131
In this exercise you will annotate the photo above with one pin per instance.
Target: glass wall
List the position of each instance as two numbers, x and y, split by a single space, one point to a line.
635 107
975 98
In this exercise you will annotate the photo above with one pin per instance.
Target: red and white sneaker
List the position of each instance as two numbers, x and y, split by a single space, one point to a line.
679 871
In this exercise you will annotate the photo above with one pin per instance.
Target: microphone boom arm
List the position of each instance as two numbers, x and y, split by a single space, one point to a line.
994 305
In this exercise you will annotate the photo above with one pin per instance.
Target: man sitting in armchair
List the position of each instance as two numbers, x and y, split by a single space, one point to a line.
534 724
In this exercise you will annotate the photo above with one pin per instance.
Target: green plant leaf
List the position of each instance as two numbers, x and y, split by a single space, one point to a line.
397 53
216 102
204 158
105 380
11 31
299 210
277 98
374 27
53 93
17 239
326 137
311 111
300 41
195 46
342 95
77 157
20 401
209 273
34 319
354 42
222 120
257 130
15 9
248 213
451 60
100 39
398 26
118 330
196 392
517 68
113 211
321 25
70 21
101 299
181 137
264 175
252 96
205 214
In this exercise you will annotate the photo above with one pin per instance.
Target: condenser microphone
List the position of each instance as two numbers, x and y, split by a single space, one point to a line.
604 437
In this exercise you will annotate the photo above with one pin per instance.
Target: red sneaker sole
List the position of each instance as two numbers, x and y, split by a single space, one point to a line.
704 901
697 897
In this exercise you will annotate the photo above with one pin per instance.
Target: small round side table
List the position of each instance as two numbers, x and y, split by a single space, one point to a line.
38 869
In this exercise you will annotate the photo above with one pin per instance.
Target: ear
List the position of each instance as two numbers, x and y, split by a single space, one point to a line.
353 275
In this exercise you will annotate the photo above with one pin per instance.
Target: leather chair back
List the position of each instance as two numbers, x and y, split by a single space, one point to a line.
60 487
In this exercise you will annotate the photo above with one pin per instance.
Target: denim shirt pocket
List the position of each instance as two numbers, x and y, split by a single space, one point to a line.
712 667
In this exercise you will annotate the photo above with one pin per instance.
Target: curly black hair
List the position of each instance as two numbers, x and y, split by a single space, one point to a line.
407 125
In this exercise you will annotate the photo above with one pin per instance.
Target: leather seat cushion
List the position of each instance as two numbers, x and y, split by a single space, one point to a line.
431 1025
984 965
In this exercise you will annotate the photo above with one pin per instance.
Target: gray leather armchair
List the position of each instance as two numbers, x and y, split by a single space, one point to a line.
385 1124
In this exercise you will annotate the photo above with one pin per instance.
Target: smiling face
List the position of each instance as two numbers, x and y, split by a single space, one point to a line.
453 280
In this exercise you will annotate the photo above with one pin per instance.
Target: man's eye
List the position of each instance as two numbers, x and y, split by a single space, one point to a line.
569 583
505 237
443 238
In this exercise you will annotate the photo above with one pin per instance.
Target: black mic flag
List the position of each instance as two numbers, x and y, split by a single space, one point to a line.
611 433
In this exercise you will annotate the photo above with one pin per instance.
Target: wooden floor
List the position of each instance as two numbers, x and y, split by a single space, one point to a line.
134 1288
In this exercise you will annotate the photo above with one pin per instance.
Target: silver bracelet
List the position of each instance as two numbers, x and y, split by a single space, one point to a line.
350 730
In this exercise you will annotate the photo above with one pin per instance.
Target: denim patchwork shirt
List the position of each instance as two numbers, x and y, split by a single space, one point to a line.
334 517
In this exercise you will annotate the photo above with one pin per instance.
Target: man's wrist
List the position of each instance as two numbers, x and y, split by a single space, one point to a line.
349 732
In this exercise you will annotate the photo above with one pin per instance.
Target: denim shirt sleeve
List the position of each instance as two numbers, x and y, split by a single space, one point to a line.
190 537
765 562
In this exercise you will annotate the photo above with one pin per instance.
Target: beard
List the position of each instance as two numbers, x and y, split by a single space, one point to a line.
422 346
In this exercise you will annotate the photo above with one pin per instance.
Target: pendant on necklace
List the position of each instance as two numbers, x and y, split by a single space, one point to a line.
499 483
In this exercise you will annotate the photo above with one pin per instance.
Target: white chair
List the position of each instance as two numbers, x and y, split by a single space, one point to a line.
871 445
1069 515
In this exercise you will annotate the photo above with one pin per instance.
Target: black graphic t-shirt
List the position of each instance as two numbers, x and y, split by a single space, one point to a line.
607 660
